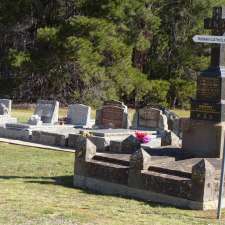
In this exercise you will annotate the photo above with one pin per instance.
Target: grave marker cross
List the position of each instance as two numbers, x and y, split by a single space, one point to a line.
217 25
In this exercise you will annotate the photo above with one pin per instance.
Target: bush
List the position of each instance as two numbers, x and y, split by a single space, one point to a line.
180 93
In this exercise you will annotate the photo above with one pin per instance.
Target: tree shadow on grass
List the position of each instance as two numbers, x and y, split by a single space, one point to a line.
66 181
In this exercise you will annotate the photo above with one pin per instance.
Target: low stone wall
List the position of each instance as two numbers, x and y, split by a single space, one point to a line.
196 187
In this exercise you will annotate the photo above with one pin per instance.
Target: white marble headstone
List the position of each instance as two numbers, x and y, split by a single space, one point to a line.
79 115
5 112
48 111
5 106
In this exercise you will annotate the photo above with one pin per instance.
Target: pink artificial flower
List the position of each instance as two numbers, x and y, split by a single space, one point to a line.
142 137
146 139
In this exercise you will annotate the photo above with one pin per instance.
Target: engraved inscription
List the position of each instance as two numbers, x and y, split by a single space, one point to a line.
209 88
206 111
149 117
112 117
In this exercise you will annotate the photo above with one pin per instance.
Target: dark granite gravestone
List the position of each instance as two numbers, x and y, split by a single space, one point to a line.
112 117
204 134
113 114
211 83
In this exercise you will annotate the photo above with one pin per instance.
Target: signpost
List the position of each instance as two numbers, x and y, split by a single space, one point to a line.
209 39
215 40
217 24
221 186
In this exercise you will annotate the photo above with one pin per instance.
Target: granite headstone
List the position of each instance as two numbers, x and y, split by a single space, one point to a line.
113 114
79 115
151 118
203 135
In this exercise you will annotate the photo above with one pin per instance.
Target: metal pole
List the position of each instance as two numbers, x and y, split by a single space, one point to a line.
221 185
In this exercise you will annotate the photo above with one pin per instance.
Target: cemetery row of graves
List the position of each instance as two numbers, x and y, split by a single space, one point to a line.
156 157
110 157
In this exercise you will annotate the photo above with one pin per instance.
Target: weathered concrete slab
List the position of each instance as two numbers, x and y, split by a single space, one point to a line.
120 133
56 136
24 134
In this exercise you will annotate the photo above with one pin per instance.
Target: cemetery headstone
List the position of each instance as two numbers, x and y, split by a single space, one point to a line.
48 111
151 118
113 114
5 112
204 134
5 106
79 115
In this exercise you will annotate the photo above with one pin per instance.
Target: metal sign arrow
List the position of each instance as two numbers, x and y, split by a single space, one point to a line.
209 39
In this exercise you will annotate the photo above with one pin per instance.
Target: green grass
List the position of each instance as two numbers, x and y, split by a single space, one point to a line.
36 189
182 113
24 114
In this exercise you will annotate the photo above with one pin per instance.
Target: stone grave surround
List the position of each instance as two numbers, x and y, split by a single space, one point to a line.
5 112
54 136
45 115
203 135
150 118
80 116
113 114
158 177
100 137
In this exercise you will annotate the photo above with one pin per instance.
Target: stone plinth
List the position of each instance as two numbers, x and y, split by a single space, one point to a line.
203 138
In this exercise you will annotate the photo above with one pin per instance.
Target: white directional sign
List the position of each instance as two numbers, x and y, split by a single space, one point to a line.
209 39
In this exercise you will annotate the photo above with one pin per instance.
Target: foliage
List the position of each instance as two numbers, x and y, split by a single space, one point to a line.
181 91
92 50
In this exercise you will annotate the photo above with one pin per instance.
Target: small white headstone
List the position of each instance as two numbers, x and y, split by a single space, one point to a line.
5 112
79 115
5 106
48 111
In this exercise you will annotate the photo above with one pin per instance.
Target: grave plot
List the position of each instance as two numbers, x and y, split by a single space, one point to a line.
187 176
43 126
78 118
45 115
166 175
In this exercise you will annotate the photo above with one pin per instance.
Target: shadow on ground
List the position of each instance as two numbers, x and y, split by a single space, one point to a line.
67 181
